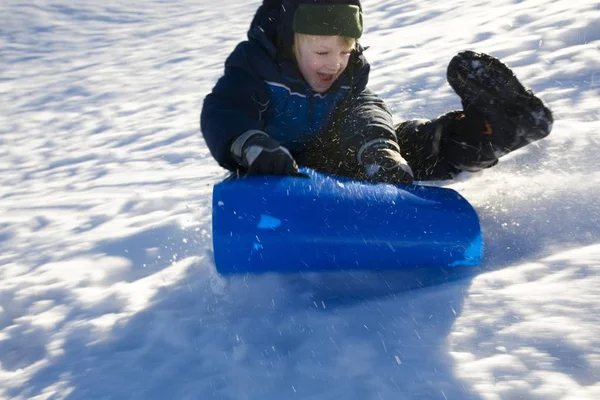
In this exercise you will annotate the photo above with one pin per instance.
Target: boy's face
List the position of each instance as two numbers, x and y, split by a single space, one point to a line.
322 59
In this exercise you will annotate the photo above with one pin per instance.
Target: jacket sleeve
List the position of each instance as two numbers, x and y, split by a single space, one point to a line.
367 122
235 105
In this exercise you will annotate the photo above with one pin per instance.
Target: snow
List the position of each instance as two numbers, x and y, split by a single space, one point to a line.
107 286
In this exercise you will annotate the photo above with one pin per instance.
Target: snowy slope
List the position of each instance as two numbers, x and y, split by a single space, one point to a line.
107 289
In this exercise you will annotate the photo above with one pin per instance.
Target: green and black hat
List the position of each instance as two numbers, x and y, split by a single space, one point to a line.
320 17
328 20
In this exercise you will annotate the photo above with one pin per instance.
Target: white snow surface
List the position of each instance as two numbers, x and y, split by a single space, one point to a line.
107 285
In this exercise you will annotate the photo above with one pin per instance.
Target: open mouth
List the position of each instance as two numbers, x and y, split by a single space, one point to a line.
325 78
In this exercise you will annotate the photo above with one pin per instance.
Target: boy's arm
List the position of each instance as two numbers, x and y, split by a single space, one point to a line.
369 136
234 107
368 118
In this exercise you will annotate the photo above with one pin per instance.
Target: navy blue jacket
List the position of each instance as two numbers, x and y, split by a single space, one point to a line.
261 89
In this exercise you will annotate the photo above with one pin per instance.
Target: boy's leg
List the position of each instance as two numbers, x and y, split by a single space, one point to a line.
359 143
426 144
326 152
323 152
499 116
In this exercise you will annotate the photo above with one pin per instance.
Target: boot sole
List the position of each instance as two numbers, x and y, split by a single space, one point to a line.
481 78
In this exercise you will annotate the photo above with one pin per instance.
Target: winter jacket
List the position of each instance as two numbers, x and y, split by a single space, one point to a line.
263 90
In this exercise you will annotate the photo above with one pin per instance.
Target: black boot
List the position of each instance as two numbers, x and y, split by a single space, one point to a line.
502 114
442 148
499 116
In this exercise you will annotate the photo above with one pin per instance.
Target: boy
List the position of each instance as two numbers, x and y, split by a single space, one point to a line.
295 93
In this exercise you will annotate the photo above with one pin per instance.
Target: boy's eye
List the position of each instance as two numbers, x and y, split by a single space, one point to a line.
324 53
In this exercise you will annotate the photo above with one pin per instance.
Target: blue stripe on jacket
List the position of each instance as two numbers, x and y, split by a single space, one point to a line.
296 117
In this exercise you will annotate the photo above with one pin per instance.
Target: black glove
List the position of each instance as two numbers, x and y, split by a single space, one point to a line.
259 154
383 163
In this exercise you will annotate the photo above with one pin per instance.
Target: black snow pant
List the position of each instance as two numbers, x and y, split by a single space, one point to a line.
436 149
426 145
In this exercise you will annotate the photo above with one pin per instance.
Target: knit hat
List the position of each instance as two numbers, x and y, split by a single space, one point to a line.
320 17
328 20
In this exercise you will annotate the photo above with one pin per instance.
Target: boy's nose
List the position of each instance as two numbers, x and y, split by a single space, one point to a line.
334 65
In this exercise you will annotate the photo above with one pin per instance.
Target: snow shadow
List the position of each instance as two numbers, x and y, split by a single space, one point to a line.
377 335
267 337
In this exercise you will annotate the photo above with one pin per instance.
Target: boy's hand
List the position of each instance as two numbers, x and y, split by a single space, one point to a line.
383 164
262 155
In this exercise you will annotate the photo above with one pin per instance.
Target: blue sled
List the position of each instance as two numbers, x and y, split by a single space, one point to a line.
327 223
